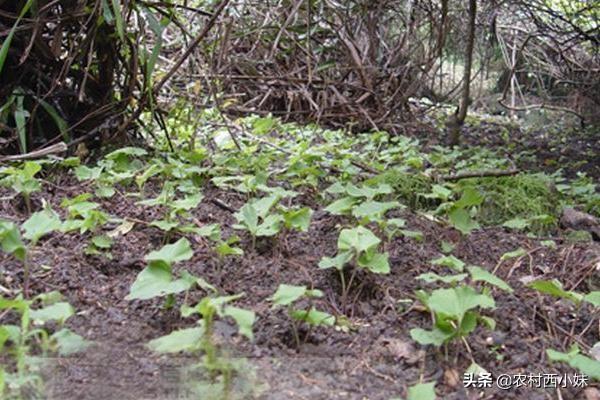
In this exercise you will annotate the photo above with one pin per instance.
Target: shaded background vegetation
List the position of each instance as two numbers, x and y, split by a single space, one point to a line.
74 71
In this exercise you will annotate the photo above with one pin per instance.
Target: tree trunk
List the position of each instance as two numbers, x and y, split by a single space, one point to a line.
456 121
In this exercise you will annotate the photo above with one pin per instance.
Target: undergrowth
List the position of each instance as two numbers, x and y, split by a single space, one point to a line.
370 182
520 196
407 185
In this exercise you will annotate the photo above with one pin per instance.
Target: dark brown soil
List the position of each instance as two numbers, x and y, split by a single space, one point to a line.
376 359
545 149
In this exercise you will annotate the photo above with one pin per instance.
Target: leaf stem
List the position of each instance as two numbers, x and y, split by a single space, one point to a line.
26 275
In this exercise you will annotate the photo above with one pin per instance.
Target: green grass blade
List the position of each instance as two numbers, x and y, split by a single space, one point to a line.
118 19
11 34
20 114
60 123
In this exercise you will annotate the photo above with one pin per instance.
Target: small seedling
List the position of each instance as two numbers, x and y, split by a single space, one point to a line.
450 262
38 225
459 212
83 214
287 295
360 201
586 365
23 180
296 218
248 184
255 218
156 280
555 288
19 341
201 337
356 247
225 248
454 309
175 208
454 314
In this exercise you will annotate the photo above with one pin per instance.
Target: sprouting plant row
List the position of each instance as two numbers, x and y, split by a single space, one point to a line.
270 210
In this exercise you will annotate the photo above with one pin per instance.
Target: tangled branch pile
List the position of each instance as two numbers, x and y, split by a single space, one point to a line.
552 53
359 62
337 63
74 70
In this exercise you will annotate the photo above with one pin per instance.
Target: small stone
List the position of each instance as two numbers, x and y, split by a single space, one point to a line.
400 349
496 339
451 377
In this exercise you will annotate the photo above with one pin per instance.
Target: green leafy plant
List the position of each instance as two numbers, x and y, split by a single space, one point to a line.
479 274
303 165
31 335
454 312
120 166
451 262
583 190
287 295
432 277
38 225
225 248
201 338
175 207
10 240
105 184
254 217
555 288
356 247
476 273
394 226
296 218
85 216
156 280
23 181
460 212
125 159
575 359
248 184
360 201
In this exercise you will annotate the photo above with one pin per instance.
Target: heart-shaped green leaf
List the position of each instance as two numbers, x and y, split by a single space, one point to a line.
41 223
450 262
338 262
359 239
287 294
313 317
172 253
455 302
156 280
375 262
180 340
10 240
55 312
243 318
479 274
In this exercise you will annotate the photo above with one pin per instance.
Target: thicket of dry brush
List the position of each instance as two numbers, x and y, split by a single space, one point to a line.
84 70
